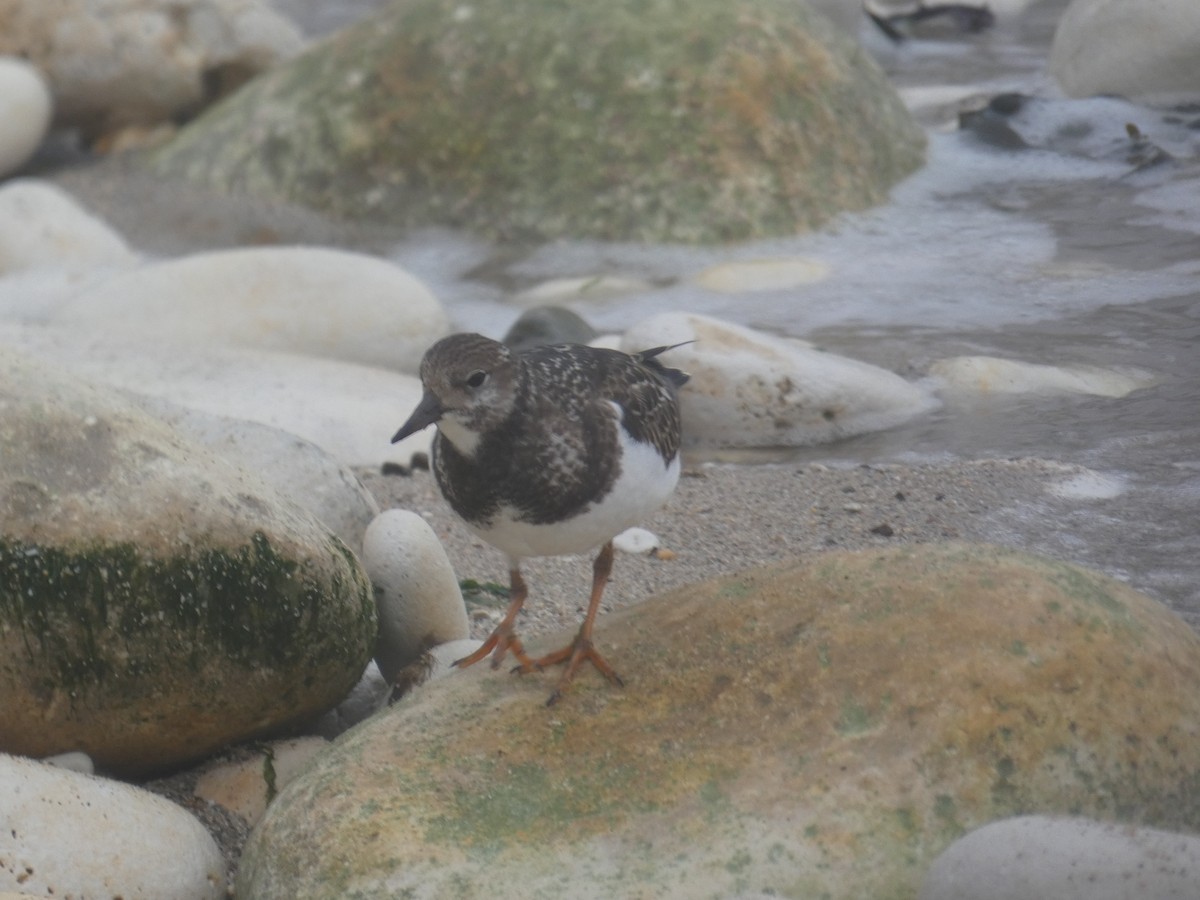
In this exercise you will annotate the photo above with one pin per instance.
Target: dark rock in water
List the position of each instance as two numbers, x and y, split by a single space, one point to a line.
897 22
703 121
992 124
548 325
1101 129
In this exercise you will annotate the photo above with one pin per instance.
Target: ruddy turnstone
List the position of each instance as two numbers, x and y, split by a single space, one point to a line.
551 450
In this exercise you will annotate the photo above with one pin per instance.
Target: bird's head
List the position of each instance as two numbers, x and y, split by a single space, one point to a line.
470 387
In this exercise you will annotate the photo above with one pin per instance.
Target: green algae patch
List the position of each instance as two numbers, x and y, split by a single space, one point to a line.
821 728
661 120
251 605
110 630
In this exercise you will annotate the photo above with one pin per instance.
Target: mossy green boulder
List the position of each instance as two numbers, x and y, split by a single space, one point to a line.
817 729
658 120
156 603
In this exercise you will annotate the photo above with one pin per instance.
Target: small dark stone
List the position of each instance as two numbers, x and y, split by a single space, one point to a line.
1007 104
394 468
884 530
420 461
548 325
991 124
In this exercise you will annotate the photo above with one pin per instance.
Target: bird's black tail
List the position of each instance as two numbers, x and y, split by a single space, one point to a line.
673 377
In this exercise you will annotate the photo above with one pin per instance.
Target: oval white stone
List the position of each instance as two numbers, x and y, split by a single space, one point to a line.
308 300
585 287
65 834
297 469
750 389
43 227
349 411
25 110
1039 857
416 590
991 375
636 540
1148 51
761 274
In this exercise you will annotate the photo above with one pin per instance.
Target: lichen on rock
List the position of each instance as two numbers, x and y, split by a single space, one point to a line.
703 121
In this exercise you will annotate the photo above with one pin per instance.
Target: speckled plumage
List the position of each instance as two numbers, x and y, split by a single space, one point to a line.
547 449
555 449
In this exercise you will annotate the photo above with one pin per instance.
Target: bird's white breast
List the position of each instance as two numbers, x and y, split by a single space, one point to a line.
641 489
464 439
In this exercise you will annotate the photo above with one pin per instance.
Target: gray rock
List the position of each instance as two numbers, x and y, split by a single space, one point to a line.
548 325
156 603
364 700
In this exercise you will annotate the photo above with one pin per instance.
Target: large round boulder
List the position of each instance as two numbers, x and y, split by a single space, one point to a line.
701 121
338 406
156 603
821 728
306 300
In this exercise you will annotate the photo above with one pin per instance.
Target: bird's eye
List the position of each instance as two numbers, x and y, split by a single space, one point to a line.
475 379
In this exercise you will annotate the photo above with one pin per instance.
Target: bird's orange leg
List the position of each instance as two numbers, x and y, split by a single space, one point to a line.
504 637
581 649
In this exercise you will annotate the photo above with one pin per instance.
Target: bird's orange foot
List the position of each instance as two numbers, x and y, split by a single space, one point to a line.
499 643
575 654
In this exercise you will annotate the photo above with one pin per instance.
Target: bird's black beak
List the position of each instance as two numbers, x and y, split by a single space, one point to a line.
428 411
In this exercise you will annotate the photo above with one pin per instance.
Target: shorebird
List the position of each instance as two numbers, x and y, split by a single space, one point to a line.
548 451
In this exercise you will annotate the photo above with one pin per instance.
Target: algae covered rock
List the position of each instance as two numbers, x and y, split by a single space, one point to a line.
155 602
680 120
822 728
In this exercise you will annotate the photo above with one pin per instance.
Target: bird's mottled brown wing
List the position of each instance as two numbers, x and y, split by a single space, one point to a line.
645 391
571 375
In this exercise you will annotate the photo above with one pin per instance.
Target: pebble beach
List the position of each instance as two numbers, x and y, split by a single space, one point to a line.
998 357
725 518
